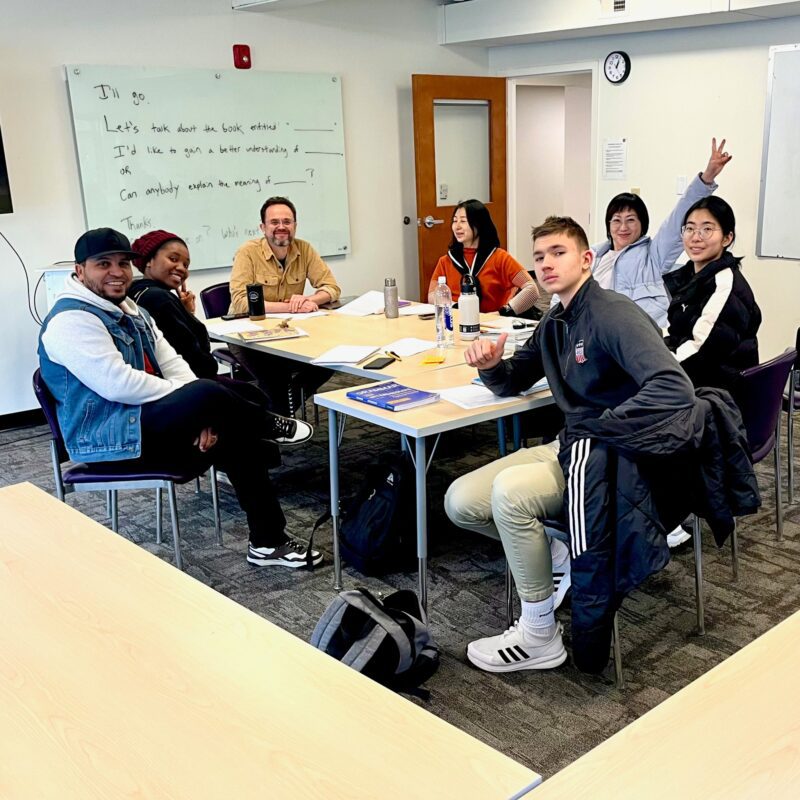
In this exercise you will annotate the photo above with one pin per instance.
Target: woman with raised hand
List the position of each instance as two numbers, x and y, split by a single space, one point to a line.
633 264
475 256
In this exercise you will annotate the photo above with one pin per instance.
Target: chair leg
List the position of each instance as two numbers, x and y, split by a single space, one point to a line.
114 502
197 485
173 515
159 526
778 493
698 575
735 552
618 676
108 504
212 476
509 597
790 445
57 471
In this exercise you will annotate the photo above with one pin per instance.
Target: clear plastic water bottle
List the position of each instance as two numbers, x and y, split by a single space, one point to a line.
443 304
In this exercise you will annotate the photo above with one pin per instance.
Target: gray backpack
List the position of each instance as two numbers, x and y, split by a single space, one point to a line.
388 641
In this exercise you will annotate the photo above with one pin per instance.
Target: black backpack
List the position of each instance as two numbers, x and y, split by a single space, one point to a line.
377 533
387 641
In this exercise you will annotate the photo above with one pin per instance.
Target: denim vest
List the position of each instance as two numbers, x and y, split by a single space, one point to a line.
93 428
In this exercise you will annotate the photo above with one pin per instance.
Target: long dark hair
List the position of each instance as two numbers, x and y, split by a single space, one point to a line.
480 220
722 213
634 203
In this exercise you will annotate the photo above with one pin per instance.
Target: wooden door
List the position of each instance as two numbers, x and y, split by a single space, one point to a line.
433 218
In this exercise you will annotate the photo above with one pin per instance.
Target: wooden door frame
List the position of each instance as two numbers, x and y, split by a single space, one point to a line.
455 89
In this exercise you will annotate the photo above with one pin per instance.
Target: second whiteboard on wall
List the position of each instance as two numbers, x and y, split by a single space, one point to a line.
197 152
779 209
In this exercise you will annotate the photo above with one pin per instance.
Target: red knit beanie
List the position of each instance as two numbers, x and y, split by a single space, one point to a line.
149 244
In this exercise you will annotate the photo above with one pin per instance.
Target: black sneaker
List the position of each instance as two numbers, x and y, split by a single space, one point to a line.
287 431
291 554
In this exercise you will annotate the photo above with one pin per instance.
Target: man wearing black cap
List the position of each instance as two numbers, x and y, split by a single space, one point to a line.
123 393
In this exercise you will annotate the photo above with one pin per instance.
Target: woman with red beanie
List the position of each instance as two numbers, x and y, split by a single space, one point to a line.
164 262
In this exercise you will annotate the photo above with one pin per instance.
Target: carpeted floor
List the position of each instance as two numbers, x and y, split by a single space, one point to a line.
544 720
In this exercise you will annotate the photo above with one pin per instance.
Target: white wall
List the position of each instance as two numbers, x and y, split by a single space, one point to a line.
685 87
578 153
374 44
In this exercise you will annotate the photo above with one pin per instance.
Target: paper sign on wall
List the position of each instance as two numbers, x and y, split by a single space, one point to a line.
615 159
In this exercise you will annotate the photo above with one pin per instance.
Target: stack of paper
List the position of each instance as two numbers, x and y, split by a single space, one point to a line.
346 354
368 303
416 309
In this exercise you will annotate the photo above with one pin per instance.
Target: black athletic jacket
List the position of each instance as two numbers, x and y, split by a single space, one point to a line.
713 321
639 451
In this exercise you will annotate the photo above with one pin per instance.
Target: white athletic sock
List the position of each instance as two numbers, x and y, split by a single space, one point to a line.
538 619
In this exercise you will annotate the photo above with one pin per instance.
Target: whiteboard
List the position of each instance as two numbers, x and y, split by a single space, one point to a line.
779 206
197 152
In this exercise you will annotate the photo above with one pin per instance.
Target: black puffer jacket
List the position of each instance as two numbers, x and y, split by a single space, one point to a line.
637 481
713 322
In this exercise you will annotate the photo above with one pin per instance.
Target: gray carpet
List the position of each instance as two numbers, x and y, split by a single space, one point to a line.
544 720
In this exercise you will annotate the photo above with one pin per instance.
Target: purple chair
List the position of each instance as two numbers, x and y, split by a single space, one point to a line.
216 301
791 403
759 395
111 476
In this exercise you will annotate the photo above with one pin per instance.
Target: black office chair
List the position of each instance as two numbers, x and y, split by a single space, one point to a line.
110 476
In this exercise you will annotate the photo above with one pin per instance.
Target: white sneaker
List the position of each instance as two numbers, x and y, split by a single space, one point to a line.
562 571
291 554
512 651
677 537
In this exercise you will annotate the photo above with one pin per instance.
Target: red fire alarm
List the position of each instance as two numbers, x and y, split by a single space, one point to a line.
241 56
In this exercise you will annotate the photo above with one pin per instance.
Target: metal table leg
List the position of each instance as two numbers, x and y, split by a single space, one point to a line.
501 436
333 457
422 521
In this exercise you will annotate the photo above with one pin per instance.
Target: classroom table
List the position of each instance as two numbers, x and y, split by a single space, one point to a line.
339 329
732 733
121 676
418 424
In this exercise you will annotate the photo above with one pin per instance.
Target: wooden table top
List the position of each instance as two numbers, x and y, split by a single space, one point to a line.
337 329
121 676
436 417
732 733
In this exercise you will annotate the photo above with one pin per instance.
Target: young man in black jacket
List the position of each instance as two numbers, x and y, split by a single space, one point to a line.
604 359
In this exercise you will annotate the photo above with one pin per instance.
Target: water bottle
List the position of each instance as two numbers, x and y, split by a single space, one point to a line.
390 299
255 300
443 304
469 321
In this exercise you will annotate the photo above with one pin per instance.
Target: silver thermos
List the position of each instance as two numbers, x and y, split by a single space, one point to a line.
390 299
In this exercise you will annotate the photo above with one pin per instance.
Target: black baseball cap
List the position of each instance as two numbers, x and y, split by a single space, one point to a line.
102 242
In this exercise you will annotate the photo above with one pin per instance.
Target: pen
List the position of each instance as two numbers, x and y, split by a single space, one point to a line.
393 355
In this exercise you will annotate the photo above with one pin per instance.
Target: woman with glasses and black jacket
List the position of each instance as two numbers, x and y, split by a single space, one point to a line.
713 316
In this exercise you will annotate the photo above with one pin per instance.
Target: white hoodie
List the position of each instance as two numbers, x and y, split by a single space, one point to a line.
81 343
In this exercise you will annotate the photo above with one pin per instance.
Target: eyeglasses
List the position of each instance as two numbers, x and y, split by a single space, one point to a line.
274 223
618 223
706 232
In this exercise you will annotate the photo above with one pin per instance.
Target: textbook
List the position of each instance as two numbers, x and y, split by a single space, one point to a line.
393 396
271 334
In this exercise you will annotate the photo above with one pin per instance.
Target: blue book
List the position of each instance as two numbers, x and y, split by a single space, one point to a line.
392 396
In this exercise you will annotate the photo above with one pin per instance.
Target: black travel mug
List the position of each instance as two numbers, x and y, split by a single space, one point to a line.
255 301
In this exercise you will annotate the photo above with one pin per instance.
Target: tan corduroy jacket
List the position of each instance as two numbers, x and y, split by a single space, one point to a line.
255 262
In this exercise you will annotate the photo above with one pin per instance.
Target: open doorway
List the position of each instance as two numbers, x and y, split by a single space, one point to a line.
551 156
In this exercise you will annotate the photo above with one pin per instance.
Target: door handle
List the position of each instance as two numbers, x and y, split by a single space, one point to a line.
429 221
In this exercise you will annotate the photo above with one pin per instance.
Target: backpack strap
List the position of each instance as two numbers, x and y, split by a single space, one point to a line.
328 624
364 601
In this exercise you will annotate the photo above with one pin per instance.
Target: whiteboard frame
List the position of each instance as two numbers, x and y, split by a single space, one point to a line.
773 51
